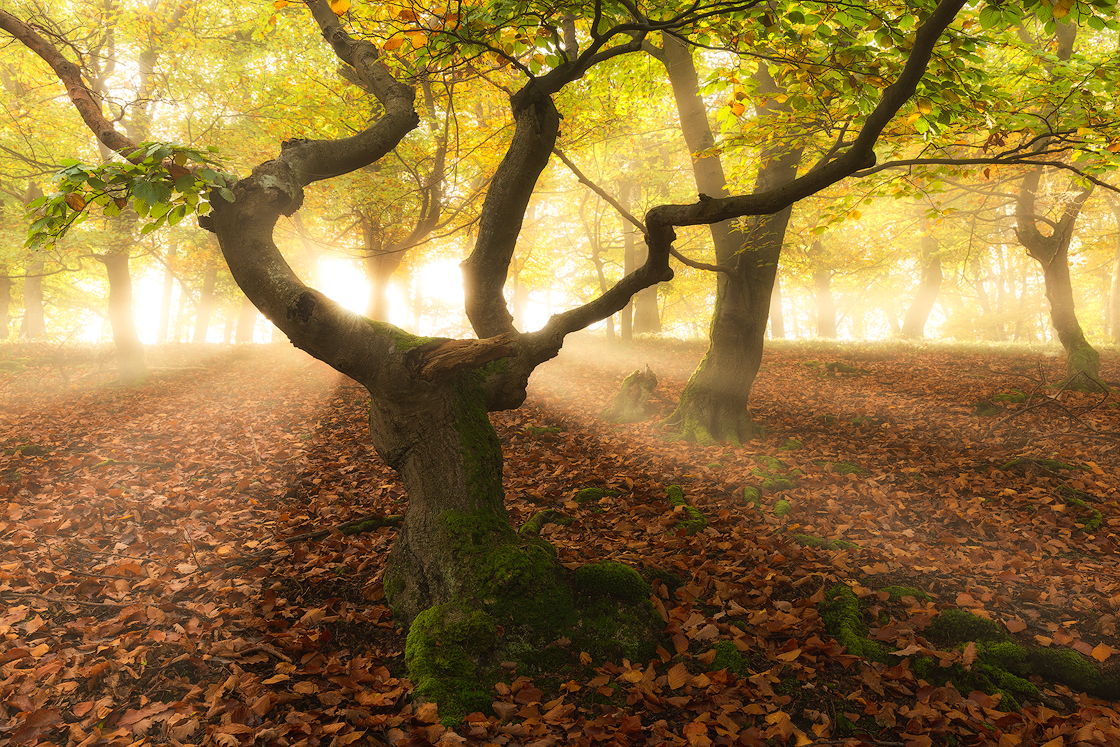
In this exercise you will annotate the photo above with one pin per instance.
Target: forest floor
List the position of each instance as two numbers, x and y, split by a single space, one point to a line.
161 582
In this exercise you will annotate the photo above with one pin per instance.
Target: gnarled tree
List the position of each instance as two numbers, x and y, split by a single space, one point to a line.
458 569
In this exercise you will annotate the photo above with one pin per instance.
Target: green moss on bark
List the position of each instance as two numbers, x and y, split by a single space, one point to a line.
448 653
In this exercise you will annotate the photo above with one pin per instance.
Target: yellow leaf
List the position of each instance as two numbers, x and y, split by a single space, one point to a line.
340 6
1102 651
634 675
392 44
280 4
418 39
969 654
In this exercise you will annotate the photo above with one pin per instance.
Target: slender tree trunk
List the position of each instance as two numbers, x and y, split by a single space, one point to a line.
1052 253
777 316
165 298
205 305
826 305
130 351
629 258
178 326
1112 319
229 325
714 403
5 304
914 325
246 321
34 323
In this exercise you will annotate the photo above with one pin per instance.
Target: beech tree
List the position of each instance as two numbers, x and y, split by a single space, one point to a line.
458 569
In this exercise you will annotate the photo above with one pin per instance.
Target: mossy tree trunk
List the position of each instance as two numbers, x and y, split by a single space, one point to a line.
1052 253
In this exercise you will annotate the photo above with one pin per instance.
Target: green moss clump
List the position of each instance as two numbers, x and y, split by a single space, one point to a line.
840 613
843 468
898 592
1070 668
782 508
752 496
772 477
1015 396
589 495
668 579
791 445
986 409
445 651
823 544
372 525
827 419
696 521
404 340
954 627
730 658
611 579
537 522
1072 496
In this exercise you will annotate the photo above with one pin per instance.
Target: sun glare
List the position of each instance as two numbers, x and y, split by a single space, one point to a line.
341 279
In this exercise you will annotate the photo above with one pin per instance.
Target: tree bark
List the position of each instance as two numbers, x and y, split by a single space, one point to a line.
914 324
777 315
1052 253
205 305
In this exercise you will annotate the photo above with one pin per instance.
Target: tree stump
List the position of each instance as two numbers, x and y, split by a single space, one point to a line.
630 404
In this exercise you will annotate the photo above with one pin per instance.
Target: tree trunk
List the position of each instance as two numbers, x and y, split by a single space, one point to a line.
5 304
165 298
629 258
777 316
130 351
34 323
1052 253
1114 298
826 306
914 325
205 305
246 321
714 403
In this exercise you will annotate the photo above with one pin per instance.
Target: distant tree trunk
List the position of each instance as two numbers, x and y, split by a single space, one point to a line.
914 325
1052 252
1112 319
5 303
130 351
629 258
34 323
777 316
246 321
380 266
230 323
180 323
826 306
205 305
165 298
714 405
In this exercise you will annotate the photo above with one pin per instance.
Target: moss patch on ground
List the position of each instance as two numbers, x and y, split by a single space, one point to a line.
775 475
822 544
694 519
590 495
1001 665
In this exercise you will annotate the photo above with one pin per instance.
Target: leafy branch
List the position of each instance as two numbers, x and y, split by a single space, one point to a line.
164 183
